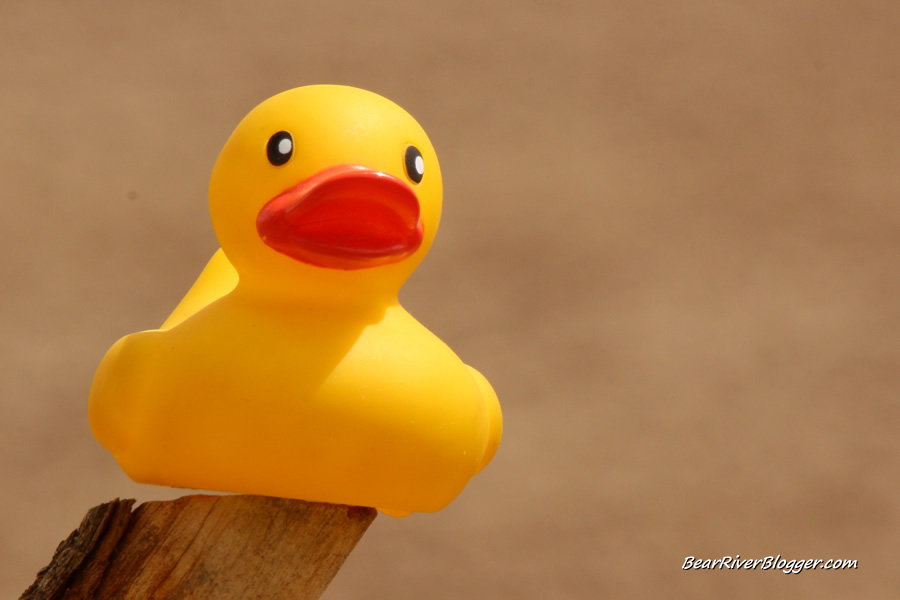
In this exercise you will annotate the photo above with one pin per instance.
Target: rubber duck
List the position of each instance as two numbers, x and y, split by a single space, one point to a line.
290 369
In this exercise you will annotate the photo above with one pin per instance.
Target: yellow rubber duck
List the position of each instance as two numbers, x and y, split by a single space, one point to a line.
290 368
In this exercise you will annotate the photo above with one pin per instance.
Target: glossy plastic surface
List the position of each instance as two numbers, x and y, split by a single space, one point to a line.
290 369
345 217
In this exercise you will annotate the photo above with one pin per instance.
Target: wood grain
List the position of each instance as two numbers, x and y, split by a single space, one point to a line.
203 547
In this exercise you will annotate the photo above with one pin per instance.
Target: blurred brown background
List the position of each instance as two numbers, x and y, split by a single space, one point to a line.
670 241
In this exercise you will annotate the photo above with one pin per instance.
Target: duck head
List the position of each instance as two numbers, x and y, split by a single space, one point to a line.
326 190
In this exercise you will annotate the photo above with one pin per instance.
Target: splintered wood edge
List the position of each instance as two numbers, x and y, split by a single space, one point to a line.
102 526
204 547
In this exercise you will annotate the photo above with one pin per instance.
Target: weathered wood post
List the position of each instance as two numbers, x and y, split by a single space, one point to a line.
204 547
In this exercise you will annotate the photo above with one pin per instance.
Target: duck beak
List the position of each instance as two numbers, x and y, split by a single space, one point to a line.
345 217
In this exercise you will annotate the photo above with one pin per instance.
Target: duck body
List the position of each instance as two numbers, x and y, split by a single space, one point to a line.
290 369
339 411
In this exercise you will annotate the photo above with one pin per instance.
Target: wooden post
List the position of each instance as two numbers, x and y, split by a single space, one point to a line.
204 547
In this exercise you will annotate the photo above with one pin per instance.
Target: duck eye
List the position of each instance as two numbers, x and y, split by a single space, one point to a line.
415 164
280 148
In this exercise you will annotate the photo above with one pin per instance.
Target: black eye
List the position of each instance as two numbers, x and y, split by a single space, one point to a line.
280 148
415 165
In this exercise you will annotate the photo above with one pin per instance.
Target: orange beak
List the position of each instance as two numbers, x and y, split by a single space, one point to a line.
345 217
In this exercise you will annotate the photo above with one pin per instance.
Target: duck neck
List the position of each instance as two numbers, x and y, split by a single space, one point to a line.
317 291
